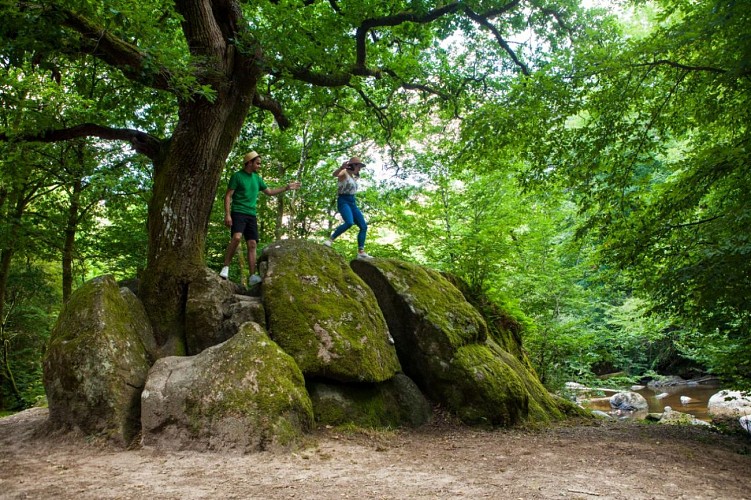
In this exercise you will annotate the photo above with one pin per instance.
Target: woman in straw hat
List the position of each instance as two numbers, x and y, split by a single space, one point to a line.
347 176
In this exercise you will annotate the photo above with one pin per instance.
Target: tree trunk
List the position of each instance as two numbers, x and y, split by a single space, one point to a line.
185 185
7 373
6 257
70 239
279 228
188 168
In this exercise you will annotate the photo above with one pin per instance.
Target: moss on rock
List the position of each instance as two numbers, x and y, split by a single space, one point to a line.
394 403
472 364
430 296
506 325
243 395
96 363
328 321
482 389
324 315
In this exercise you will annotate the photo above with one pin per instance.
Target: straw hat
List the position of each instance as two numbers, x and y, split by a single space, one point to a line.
355 161
250 156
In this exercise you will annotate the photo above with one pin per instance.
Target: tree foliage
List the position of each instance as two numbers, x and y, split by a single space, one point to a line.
587 169
207 63
654 145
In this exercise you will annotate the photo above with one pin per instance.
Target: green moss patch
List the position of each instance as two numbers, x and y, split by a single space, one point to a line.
96 363
394 403
244 395
324 315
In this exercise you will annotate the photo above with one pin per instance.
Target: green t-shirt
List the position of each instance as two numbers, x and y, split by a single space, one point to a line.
246 188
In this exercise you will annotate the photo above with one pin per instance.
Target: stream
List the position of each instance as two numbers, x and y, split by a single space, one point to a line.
699 394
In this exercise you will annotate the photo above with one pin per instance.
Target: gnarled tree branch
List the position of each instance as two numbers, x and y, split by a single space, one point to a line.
272 106
395 20
141 142
321 79
360 67
685 67
482 20
97 41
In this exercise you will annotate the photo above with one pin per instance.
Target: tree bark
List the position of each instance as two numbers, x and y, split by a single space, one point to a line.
6 255
7 373
183 193
5 259
188 168
70 238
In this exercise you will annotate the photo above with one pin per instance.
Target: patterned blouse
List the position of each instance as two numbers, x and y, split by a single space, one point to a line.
347 186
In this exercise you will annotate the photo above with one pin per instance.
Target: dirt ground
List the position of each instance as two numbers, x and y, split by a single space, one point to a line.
441 460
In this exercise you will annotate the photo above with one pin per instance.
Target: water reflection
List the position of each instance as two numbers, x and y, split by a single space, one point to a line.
697 406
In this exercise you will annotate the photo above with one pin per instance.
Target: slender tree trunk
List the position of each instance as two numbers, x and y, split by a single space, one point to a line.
7 372
6 255
6 258
70 238
279 228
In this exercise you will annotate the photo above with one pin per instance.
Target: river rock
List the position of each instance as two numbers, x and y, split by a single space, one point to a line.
730 404
672 417
628 401
602 414
667 381
745 422
575 386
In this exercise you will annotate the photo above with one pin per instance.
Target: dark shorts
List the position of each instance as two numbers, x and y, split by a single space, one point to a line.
246 224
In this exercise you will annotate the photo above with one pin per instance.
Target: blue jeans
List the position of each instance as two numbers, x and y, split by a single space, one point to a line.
347 207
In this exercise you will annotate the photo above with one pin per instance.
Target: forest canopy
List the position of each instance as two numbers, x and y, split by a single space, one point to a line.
587 166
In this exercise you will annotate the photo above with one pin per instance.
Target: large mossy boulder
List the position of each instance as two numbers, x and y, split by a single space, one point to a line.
542 405
481 388
427 316
324 315
505 326
97 361
243 395
443 345
395 403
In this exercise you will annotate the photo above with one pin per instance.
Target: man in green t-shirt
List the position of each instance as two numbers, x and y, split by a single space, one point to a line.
240 211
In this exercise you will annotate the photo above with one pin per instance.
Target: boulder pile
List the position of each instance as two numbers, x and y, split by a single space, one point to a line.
372 343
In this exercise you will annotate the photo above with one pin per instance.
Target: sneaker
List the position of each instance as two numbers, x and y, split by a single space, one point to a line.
363 255
224 273
254 280
327 243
